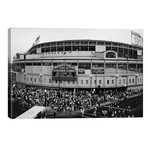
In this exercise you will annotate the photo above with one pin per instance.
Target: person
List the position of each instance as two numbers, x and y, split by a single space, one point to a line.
95 112
82 112
54 112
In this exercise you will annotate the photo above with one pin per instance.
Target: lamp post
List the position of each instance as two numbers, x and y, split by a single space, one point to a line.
136 75
45 97
59 84
116 81
24 76
41 78
91 83
96 81
59 81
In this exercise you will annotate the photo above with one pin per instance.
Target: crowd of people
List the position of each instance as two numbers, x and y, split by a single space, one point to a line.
68 101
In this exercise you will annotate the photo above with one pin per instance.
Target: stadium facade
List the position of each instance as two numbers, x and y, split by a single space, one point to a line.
81 64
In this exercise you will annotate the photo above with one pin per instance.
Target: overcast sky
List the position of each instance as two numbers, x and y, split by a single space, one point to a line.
23 38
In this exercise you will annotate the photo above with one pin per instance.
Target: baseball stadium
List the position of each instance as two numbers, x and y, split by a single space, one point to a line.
78 78
81 64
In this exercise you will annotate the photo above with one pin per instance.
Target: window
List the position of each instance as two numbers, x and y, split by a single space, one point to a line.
91 48
84 66
94 81
22 65
140 68
132 67
68 82
133 80
97 68
54 64
112 81
129 80
123 81
67 48
107 81
84 48
46 63
97 65
99 81
120 52
81 81
110 55
47 49
49 80
92 43
74 64
119 81
122 66
67 43
75 48
53 49
56 81
28 64
110 65
110 68
125 53
135 54
37 64
60 48
114 49
73 82
30 79
34 79
86 81
108 48
130 53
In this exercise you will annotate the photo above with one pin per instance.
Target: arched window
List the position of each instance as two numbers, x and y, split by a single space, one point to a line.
110 54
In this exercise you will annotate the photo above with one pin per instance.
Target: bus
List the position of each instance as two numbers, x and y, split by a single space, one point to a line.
36 112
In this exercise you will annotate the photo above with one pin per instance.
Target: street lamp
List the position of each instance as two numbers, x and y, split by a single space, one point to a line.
91 82
40 78
59 83
24 76
45 96
136 77
116 82
95 81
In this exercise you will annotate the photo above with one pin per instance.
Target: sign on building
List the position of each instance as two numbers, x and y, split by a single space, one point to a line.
64 72
100 48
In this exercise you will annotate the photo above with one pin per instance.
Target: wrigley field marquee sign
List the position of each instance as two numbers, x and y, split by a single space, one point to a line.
64 72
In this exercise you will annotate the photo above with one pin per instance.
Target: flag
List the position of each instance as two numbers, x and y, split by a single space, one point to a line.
37 39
